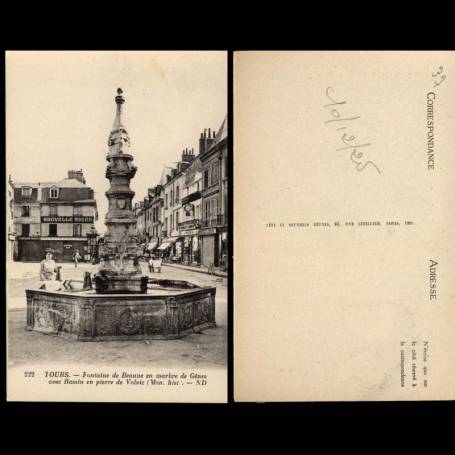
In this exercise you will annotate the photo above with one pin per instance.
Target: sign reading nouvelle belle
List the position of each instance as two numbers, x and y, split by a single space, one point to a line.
67 219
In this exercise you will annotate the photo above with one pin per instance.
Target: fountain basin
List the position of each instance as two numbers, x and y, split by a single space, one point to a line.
169 309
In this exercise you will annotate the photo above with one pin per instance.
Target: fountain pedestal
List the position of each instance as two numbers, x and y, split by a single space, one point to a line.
165 313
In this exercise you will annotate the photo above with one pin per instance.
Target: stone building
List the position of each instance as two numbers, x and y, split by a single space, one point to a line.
213 153
140 214
154 216
172 242
55 215
191 213
185 215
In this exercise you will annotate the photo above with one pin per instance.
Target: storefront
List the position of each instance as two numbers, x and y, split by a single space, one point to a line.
152 246
209 247
167 248
34 250
191 255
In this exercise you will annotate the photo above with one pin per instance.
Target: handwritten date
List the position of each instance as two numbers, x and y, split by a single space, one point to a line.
349 141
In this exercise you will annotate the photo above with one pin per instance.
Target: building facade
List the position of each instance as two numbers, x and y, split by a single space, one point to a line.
214 198
53 215
190 221
154 216
140 214
185 215
172 242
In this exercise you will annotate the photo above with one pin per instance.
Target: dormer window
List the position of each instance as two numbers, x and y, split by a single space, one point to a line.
26 192
53 193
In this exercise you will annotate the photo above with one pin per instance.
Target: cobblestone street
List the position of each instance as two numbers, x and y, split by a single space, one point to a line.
205 350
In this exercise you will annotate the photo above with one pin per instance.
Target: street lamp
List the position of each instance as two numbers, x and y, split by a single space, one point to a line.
92 242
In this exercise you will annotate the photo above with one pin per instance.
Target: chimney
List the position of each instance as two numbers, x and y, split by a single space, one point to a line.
205 141
187 156
78 175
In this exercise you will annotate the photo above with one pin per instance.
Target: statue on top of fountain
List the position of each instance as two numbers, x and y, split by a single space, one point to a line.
119 140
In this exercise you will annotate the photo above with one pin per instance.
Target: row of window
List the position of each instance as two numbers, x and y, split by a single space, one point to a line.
153 232
77 230
211 176
174 220
212 173
152 215
171 202
26 192
77 211
211 209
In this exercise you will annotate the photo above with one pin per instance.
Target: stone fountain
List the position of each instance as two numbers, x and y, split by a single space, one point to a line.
125 303
119 270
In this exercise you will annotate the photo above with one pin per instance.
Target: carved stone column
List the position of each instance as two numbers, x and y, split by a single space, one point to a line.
119 269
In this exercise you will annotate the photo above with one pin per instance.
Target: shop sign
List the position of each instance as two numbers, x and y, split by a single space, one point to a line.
67 219
190 232
210 231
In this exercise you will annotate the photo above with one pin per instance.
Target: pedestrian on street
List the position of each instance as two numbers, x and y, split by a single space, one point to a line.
151 264
76 258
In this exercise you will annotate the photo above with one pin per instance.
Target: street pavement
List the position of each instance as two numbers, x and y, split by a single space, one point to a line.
205 350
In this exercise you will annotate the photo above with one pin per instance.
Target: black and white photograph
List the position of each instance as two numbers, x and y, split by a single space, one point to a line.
117 225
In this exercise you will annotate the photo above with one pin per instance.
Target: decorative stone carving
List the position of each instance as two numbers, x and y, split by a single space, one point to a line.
88 316
186 319
119 270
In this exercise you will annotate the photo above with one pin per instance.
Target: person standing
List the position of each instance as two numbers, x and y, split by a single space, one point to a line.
76 258
47 268
150 263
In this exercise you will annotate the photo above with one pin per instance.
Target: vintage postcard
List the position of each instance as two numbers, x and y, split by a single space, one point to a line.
117 227
344 234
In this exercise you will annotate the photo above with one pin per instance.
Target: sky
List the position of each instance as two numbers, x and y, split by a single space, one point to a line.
60 109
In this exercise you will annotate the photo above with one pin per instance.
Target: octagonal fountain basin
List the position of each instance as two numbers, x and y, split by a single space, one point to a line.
169 309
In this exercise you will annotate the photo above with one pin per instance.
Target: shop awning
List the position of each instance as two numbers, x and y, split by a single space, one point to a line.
167 243
152 245
191 197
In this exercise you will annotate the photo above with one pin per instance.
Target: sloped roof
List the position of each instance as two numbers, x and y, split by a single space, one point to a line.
34 184
65 183
222 131
166 171
70 183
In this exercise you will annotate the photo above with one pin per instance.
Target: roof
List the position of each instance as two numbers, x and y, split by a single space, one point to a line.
166 171
70 183
222 131
34 185
65 183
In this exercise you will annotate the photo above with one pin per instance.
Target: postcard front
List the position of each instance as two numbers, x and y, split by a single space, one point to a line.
117 244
